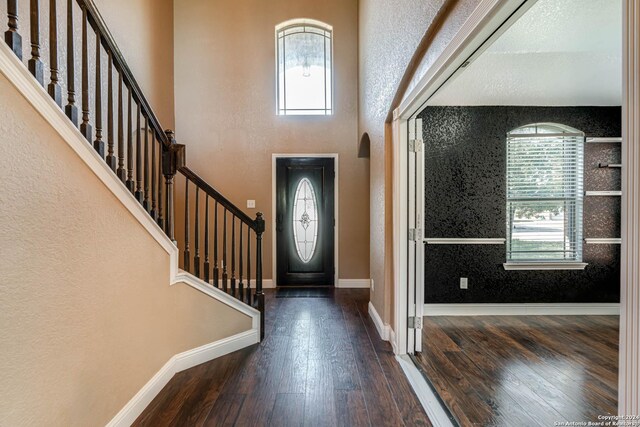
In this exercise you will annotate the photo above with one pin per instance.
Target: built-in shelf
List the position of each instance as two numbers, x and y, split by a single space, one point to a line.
604 140
603 241
609 165
603 193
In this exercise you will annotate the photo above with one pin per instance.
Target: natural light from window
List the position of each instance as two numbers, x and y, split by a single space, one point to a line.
544 193
304 64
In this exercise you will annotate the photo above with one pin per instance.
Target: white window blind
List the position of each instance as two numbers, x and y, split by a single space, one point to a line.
544 193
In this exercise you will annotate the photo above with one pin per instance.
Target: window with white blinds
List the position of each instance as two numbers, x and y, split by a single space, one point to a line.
544 193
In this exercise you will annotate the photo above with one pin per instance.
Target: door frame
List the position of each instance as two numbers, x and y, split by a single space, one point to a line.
274 158
483 22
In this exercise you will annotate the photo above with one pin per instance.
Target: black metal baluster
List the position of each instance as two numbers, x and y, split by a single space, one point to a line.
54 87
98 144
122 173
70 109
138 193
240 284
249 266
196 242
207 264
11 36
85 127
187 255
233 256
259 293
225 276
154 206
130 184
160 186
35 64
145 202
111 160
216 270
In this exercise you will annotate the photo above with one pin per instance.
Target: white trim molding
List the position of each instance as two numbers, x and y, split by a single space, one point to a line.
354 283
551 309
15 71
629 366
382 328
457 241
178 363
432 406
603 241
544 265
336 207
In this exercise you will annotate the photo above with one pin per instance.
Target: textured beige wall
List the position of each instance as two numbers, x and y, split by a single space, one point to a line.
390 32
143 30
87 315
225 109
389 35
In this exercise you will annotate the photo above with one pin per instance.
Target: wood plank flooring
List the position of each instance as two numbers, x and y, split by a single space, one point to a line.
322 363
523 370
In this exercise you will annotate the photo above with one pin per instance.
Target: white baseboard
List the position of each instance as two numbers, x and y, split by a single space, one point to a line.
177 363
393 341
354 283
382 328
522 309
436 413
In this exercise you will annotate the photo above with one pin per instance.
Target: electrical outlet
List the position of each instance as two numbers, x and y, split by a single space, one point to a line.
464 283
373 288
251 204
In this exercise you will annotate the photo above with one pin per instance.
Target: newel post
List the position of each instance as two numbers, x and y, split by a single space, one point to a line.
173 158
260 227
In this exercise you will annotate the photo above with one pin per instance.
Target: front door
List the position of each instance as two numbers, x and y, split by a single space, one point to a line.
305 221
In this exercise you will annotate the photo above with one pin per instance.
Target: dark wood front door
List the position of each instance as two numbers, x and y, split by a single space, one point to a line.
305 221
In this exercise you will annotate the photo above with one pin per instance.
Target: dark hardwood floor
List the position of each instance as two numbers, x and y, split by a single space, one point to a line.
321 363
523 370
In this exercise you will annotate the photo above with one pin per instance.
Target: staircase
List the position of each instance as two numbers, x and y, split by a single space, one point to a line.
116 119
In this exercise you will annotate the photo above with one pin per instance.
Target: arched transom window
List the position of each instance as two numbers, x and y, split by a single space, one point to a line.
544 193
304 64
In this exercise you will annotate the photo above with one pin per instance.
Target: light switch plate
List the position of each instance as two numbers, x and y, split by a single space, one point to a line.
251 204
464 283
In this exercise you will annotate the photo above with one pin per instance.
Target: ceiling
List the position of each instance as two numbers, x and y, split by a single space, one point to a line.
559 53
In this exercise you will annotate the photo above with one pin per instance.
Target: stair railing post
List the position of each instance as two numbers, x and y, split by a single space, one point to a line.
173 158
260 227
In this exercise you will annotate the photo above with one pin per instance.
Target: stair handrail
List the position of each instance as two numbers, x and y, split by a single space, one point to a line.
144 179
109 43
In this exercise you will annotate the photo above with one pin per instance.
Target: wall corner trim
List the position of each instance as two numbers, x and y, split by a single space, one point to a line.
382 328
178 363
551 309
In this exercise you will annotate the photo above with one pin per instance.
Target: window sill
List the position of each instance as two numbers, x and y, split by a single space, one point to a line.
545 265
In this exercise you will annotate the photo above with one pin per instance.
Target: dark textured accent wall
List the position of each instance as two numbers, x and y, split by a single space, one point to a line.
465 169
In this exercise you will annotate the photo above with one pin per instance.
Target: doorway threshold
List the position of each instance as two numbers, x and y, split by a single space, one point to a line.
435 408
304 292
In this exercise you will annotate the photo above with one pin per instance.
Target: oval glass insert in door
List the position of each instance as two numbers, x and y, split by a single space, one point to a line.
305 220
